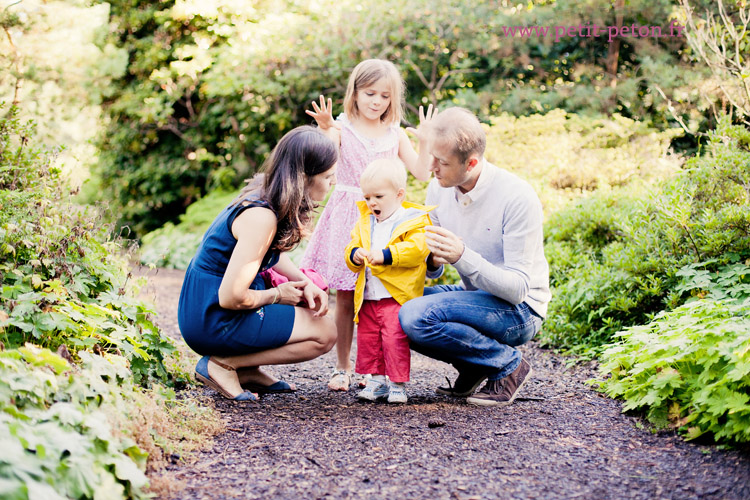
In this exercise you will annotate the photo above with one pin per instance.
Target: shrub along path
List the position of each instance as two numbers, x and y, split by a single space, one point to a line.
560 439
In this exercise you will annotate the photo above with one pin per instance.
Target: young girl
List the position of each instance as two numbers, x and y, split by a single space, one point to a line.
368 130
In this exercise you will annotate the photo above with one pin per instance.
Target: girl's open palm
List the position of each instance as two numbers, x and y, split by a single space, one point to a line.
323 114
424 120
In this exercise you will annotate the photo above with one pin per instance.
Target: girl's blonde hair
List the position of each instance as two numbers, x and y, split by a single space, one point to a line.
368 72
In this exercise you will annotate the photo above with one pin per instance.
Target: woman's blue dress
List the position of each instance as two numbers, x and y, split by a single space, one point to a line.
208 328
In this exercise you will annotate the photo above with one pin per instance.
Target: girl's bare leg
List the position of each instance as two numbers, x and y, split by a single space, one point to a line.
344 315
311 337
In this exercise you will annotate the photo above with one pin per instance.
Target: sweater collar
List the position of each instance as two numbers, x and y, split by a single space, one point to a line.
479 188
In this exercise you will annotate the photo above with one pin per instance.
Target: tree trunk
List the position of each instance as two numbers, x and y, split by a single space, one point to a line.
613 55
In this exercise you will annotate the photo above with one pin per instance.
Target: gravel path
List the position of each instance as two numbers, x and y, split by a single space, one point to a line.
560 439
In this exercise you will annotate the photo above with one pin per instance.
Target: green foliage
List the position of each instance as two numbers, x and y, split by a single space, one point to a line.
211 87
68 429
690 367
62 279
54 66
589 154
55 432
720 40
615 257
173 246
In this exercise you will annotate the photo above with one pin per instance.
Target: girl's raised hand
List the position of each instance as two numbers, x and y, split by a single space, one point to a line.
323 114
424 120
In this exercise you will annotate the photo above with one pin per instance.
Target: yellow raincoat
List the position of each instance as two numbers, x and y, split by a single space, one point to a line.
404 277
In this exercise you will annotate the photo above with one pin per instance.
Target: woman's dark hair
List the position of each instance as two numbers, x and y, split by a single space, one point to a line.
301 154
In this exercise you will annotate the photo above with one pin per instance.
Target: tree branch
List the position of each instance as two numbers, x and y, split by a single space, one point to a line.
419 73
718 43
15 61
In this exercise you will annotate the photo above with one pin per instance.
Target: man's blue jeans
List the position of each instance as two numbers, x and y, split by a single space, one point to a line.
473 330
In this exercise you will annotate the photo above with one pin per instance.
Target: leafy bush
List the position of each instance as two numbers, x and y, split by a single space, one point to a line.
615 257
196 110
87 431
173 246
690 367
55 433
62 279
85 427
588 154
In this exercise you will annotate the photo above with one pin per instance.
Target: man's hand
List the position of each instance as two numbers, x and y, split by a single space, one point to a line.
446 247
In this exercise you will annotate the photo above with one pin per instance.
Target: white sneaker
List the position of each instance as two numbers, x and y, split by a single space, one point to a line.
397 393
363 381
373 390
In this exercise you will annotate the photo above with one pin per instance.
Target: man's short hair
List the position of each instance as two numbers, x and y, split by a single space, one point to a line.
389 169
461 128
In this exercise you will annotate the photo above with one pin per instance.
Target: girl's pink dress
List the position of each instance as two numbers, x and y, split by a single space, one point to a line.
325 251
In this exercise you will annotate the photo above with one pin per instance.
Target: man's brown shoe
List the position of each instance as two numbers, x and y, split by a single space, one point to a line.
502 392
465 385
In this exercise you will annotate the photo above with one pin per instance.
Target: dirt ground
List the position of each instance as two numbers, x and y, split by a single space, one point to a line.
560 439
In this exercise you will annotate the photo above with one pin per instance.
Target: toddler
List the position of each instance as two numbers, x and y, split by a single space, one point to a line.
388 251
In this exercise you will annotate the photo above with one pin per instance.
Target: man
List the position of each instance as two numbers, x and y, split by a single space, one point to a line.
488 225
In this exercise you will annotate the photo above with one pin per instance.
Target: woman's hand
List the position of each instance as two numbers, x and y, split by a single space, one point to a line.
291 292
316 299
323 114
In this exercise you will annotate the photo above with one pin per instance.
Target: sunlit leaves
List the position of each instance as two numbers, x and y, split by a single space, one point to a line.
620 257
62 279
691 364
54 432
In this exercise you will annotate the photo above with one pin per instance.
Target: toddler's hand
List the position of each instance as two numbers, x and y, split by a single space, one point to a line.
376 257
360 256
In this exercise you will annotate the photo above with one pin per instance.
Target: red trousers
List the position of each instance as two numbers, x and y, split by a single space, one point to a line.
382 346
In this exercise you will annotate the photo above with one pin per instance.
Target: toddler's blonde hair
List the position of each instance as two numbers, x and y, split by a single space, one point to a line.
368 72
390 169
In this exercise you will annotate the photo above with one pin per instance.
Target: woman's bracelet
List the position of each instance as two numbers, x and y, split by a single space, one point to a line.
276 297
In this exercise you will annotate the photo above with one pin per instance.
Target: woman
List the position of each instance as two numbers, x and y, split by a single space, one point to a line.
225 311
